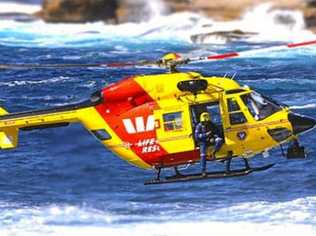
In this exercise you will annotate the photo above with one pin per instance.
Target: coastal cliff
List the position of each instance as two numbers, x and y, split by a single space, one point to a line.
78 11
120 11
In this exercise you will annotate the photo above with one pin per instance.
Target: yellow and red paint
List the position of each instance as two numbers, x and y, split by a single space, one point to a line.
132 113
128 110
133 109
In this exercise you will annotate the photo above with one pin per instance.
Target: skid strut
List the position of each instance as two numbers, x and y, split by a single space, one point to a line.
228 173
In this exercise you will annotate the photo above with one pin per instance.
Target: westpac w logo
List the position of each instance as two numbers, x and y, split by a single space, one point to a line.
139 125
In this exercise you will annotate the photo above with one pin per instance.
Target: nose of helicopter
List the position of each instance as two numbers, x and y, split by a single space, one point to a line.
301 123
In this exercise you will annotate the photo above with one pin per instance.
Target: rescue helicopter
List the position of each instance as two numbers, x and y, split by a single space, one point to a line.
149 120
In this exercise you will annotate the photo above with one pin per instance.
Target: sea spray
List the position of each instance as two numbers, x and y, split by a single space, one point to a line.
10 7
263 23
155 8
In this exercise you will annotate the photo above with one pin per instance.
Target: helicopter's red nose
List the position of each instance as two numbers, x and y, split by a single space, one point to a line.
301 123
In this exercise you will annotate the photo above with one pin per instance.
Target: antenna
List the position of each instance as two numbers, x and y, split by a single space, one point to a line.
234 75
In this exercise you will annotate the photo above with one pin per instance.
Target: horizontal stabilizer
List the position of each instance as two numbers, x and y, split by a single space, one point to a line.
8 136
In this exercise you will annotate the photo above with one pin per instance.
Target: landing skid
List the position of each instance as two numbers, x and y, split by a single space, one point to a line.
209 175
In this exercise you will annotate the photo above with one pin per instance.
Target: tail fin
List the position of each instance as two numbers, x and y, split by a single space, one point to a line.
8 136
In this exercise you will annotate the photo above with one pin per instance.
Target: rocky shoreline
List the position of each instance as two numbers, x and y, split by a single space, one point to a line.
120 11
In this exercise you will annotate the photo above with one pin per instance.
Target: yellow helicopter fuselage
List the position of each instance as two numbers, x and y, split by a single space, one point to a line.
149 121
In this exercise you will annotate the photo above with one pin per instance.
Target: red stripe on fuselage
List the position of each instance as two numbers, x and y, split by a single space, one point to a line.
181 158
127 100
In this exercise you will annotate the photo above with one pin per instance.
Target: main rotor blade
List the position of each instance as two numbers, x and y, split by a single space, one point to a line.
40 66
163 62
63 66
250 52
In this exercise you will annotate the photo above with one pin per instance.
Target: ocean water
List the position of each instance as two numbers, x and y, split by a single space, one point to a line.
62 182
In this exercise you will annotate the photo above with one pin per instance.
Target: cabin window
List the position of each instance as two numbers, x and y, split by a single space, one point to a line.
236 116
259 106
101 134
173 121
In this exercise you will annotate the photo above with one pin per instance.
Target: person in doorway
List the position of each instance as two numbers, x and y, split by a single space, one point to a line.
206 134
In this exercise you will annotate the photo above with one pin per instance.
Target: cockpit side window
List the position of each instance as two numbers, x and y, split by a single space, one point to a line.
232 105
259 106
236 116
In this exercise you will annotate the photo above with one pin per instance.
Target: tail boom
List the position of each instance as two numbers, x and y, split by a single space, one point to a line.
11 124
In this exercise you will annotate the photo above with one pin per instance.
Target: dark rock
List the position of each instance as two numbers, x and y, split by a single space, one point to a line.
121 11
309 12
78 11
311 3
226 36
285 19
310 18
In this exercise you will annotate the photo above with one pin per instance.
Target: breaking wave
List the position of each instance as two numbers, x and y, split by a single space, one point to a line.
307 106
170 229
14 83
6 7
293 217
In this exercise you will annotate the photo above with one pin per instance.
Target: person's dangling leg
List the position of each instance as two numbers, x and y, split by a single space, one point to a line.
218 144
203 154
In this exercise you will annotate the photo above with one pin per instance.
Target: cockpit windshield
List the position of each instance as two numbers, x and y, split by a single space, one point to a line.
259 106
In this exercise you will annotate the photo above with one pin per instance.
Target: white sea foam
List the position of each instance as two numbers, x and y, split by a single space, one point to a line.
251 218
171 229
7 6
156 8
307 106
15 83
275 25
